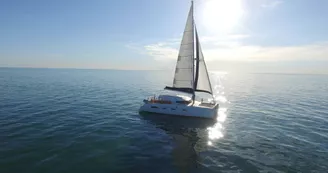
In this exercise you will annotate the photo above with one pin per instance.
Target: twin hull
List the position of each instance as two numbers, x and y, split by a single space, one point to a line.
181 110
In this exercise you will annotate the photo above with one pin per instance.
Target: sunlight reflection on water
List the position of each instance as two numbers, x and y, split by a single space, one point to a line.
215 132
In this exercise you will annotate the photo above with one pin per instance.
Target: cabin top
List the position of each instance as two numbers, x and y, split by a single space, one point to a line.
174 98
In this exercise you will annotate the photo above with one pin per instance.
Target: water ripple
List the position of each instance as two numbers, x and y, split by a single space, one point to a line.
87 121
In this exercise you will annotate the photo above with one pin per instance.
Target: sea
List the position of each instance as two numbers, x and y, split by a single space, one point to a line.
83 121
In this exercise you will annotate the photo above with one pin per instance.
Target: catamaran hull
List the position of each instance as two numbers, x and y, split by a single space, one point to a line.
181 110
190 76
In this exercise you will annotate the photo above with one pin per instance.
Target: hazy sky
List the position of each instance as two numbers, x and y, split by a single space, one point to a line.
267 35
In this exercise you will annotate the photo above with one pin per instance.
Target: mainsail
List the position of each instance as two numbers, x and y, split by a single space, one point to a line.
190 73
184 71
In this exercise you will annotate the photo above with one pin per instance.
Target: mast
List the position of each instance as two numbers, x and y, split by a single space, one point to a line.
193 51
193 39
197 62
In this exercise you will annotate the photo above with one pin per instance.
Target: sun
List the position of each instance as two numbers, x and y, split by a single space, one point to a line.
222 15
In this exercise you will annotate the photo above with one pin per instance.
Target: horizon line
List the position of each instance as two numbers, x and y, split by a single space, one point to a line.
113 69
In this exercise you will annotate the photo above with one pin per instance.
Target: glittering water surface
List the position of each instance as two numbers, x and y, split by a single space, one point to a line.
55 120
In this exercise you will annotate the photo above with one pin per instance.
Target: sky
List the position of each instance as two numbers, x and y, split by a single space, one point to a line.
287 36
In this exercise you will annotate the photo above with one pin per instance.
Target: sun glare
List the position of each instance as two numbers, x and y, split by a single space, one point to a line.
222 15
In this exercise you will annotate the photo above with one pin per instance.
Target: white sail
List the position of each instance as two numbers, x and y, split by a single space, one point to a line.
191 76
184 72
203 81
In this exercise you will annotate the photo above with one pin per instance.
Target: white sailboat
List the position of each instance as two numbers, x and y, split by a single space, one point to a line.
191 76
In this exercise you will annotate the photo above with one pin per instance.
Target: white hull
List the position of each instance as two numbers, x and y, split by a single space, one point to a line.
195 110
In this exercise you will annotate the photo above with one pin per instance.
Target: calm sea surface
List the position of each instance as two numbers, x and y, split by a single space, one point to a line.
76 121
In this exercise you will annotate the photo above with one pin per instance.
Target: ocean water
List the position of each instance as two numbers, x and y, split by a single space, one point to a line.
76 121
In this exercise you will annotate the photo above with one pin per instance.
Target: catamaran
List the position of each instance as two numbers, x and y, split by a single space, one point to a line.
191 76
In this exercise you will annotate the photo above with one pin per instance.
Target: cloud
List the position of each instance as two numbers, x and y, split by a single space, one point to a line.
168 50
231 48
271 3
161 51
316 51
228 37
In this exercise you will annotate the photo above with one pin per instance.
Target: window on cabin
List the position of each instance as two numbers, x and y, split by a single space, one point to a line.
183 102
